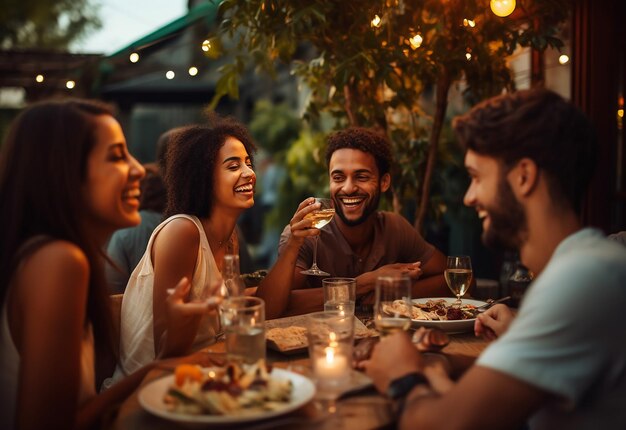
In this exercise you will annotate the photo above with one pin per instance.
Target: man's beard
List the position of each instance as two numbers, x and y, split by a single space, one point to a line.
367 211
507 220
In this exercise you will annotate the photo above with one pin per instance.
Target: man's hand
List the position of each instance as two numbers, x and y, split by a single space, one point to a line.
394 356
367 282
492 323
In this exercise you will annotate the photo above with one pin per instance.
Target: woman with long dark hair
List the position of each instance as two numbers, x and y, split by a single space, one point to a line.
67 182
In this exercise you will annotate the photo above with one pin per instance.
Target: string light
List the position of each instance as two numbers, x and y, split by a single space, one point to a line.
170 74
70 84
134 57
416 41
563 59
469 23
502 8
468 55
206 45
193 71
376 21
39 78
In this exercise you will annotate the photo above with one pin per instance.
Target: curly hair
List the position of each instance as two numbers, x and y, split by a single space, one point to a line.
540 125
190 164
363 139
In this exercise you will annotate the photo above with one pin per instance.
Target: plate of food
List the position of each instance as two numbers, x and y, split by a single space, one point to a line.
288 335
226 395
439 312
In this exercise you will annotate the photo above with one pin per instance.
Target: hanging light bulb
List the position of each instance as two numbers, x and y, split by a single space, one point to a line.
193 71
134 57
502 8
206 45
170 74
468 55
563 59
39 78
416 41
376 21
70 84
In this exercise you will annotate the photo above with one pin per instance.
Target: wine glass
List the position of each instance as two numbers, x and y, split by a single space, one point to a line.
392 307
458 276
320 218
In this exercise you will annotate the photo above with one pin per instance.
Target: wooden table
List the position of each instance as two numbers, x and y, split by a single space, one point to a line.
364 410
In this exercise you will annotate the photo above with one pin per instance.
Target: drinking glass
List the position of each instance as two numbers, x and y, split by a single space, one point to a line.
243 320
339 294
458 275
330 336
392 307
320 218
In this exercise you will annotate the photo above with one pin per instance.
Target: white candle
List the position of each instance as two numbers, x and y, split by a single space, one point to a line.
331 366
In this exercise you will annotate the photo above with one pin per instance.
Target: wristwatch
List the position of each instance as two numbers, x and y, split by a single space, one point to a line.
400 387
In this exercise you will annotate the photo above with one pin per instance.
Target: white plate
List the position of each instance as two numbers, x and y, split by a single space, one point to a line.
151 398
455 326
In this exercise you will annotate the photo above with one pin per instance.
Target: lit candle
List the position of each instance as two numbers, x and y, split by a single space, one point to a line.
332 366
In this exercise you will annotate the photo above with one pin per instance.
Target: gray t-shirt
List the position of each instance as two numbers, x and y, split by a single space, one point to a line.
395 241
569 337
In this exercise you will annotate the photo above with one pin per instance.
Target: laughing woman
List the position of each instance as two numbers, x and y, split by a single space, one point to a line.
67 182
210 181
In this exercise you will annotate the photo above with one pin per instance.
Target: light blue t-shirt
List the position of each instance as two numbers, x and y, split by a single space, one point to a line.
569 337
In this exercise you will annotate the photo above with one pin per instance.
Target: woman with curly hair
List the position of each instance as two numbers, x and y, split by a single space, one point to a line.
67 182
210 181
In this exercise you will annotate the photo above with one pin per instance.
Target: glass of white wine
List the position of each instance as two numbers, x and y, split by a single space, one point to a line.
320 218
392 307
458 276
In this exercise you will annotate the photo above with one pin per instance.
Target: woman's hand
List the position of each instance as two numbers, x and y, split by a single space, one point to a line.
184 317
492 323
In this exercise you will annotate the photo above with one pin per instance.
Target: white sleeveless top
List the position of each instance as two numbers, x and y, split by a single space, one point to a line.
136 326
10 369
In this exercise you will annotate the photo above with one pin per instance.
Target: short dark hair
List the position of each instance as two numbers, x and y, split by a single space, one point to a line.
540 125
190 163
43 166
363 139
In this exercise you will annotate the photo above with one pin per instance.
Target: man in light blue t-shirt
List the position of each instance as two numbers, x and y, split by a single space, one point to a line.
561 362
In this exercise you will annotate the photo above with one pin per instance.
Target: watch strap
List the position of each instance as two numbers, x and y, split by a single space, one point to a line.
400 387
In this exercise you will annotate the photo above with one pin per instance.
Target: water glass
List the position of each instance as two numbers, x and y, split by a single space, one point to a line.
243 320
331 337
339 294
392 306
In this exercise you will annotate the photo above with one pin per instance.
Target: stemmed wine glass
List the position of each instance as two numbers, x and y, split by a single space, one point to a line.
458 276
320 218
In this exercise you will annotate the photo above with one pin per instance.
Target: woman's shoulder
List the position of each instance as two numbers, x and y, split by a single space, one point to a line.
57 253
181 230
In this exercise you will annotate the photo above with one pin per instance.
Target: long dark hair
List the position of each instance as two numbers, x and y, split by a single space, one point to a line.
43 164
190 163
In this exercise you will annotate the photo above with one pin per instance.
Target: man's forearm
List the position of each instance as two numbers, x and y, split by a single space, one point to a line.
305 301
433 286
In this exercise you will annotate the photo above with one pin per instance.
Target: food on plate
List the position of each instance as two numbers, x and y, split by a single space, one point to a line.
287 337
231 390
433 310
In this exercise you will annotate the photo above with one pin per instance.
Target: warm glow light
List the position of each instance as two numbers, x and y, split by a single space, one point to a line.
206 45
620 113
70 84
170 74
469 23
563 59
416 41
502 8
39 78
468 56
376 21
134 57
193 71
